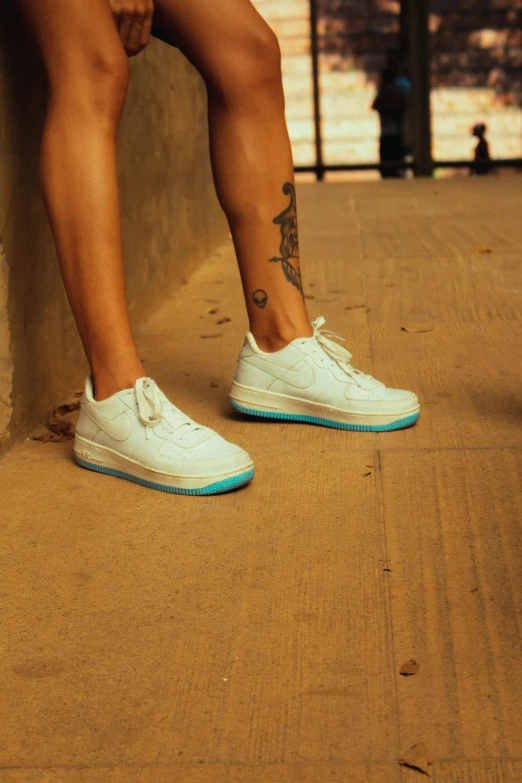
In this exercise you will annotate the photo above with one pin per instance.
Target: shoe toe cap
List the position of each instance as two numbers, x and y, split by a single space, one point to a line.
401 395
214 455
217 448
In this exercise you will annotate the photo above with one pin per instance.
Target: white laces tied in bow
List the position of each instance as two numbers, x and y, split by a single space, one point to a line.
336 352
153 409
150 404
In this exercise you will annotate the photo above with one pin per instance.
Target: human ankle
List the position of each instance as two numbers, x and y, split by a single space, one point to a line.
105 383
279 336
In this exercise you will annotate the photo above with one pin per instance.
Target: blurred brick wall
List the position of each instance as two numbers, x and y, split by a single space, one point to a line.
476 59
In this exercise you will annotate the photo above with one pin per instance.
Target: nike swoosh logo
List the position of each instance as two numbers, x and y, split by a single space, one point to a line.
302 376
119 427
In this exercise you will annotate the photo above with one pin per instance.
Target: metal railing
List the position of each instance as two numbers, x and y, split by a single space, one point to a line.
319 168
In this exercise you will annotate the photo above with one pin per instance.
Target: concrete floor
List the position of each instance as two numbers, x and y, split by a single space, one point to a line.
257 637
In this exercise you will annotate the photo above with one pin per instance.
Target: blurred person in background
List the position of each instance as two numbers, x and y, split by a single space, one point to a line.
391 103
482 156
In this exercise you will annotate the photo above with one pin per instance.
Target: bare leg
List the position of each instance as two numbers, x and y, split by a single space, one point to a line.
88 73
238 56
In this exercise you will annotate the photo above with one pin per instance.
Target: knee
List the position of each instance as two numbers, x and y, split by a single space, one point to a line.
253 68
96 83
109 74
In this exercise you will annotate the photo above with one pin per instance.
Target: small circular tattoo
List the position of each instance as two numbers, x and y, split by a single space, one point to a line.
260 298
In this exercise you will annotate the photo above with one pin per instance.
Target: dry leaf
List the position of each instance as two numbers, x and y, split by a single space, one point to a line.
50 437
417 328
224 320
417 758
62 420
482 250
409 668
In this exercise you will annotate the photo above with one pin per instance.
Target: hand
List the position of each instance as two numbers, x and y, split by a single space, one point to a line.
133 19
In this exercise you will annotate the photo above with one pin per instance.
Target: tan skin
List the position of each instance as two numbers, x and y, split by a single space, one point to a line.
238 57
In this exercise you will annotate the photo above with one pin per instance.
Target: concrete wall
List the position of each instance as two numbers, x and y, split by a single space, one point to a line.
170 213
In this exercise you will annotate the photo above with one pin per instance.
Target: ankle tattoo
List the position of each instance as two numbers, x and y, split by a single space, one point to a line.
289 247
260 298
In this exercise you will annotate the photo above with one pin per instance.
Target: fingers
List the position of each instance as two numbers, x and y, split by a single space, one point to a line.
139 36
134 22
145 30
132 47
124 24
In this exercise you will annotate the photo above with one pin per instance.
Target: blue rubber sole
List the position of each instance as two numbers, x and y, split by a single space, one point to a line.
395 425
212 489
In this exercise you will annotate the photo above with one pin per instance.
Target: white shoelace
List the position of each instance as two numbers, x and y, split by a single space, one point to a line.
340 355
150 404
152 411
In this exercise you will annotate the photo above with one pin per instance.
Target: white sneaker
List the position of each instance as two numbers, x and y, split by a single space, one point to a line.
139 435
312 380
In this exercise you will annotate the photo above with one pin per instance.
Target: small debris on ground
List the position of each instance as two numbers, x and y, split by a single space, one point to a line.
50 437
355 307
224 320
475 590
212 310
417 758
367 474
213 385
482 250
418 328
309 296
209 336
409 668
62 421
